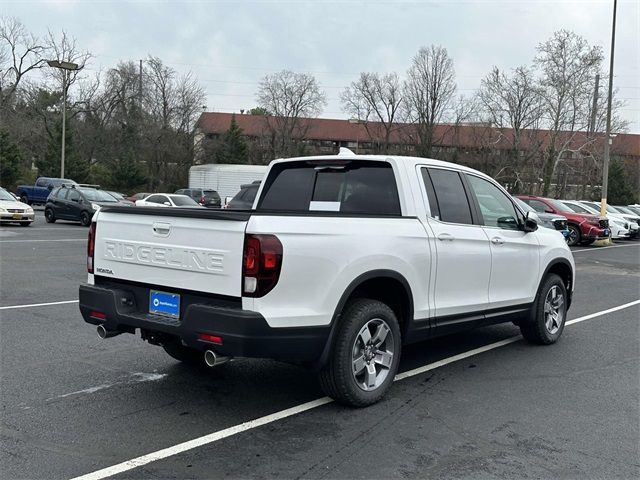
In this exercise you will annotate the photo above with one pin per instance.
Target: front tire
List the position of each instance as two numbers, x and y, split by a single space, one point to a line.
365 356
25 199
49 216
549 313
574 235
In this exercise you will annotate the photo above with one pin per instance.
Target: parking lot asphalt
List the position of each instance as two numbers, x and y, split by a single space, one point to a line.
73 404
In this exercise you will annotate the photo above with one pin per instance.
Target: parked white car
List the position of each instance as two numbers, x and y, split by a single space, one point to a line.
617 224
168 200
14 211
632 220
343 260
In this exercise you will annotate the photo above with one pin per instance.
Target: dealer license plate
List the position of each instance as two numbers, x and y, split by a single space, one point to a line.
162 303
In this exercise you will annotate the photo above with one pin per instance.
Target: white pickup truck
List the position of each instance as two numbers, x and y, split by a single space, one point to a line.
341 261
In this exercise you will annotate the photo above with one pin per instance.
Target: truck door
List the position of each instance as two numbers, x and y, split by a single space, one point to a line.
514 253
463 255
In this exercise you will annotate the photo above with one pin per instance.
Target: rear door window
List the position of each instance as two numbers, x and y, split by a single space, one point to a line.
450 195
362 187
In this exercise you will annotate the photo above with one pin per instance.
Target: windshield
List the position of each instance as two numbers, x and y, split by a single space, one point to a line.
6 196
524 206
635 210
561 207
184 201
117 195
623 210
97 195
579 208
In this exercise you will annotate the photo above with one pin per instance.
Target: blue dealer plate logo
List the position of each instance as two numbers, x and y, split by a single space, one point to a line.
162 303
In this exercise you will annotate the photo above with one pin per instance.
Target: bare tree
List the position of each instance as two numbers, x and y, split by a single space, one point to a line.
375 97
289 97
513 106
568 65
65 49
20 53
428 91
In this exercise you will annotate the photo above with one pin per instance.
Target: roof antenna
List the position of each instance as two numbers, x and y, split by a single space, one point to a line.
345 152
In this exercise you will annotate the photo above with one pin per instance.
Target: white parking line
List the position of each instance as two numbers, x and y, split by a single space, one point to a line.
47 240
15 307
258 422
597 249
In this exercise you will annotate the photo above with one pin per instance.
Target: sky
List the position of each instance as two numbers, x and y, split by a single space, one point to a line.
230 45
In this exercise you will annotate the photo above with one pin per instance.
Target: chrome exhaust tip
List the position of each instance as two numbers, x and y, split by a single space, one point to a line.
104 333
212 359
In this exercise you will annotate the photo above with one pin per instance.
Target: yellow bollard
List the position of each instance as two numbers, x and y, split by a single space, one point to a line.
603 243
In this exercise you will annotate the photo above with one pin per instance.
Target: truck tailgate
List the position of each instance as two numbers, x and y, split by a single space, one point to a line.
136 244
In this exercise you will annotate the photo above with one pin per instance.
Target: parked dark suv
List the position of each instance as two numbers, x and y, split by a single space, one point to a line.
243 200
206 198
76 203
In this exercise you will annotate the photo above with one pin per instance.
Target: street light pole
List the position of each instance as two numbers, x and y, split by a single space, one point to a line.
66 67
64 121
607 141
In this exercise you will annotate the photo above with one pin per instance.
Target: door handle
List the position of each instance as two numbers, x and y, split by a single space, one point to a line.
445 237
162 229
497 241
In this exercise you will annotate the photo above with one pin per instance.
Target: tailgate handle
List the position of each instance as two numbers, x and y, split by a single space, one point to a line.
162 229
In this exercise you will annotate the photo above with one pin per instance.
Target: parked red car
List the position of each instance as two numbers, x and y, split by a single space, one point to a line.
583 228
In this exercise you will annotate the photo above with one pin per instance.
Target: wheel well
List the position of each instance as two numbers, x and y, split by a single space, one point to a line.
564 272
389 291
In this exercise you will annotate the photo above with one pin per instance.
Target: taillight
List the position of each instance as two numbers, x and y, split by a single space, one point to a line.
261 264
91 244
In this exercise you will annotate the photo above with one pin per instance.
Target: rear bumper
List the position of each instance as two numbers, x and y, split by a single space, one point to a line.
244 333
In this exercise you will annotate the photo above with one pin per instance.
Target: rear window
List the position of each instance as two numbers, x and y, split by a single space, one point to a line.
211 194
361 187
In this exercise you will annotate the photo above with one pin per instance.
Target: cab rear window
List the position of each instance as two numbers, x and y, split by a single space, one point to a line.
358 187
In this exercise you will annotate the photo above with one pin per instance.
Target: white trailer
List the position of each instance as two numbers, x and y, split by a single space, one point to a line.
224 179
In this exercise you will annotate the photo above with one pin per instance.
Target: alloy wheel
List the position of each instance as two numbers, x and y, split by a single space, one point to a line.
372 354
553 310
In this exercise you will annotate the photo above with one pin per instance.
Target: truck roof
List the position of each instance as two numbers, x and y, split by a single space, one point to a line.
398 160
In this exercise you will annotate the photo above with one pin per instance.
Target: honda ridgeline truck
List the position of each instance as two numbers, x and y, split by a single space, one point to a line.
341 262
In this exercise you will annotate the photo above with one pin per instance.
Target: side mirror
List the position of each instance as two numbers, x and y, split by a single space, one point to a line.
168 204
77 200
49 187
548 210
530 224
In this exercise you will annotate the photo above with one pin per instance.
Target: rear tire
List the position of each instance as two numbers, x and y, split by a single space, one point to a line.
85 219
365 356
574 235
184 354
548 314
49 216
